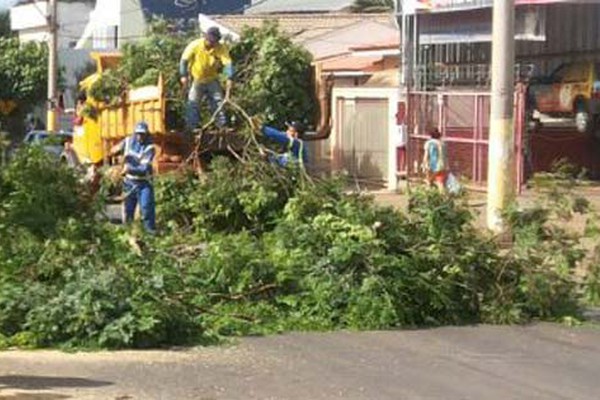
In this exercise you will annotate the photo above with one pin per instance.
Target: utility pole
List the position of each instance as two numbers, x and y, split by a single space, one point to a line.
404 47
405 82
501 169
52 120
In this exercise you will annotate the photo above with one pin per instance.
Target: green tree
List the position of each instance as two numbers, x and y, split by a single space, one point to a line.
273 75
373 5
23 73
5 24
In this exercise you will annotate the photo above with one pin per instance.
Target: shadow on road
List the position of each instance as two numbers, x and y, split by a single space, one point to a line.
34 396
24 382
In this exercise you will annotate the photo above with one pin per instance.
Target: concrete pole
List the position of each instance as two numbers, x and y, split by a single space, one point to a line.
404 49
405 83
501 143
52 119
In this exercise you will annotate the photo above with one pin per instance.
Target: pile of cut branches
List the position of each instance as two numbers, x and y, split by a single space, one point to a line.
251 248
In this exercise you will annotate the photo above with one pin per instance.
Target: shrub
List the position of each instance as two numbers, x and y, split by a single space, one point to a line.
37 193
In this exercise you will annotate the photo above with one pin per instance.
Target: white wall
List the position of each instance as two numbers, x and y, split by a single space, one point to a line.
104 16
72 19
106 12
132 25
28 16
30 22
106 23
33 35
125 15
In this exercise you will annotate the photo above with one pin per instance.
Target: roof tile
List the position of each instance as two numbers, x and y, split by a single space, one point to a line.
349 63
275 6
301 27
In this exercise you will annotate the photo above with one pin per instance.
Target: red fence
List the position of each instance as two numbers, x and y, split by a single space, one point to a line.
463 120
550 144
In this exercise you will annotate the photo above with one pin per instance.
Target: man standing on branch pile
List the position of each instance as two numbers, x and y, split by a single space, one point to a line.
138 151
202 60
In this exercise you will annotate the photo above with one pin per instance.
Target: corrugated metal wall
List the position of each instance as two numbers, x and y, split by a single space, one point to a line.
572 34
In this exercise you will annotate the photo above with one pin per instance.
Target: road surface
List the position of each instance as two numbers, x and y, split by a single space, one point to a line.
537 362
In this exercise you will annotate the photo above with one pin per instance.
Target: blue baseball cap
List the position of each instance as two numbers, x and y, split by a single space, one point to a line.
298 126
142 127
213 34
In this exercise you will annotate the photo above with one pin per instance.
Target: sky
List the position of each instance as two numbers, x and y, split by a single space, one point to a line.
4 4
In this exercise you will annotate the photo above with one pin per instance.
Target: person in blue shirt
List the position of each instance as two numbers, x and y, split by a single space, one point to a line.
435 160
292 142
138 152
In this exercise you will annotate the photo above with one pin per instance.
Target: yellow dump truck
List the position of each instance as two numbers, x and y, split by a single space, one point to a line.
95 134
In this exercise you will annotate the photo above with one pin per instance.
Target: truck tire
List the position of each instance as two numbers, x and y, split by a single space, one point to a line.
583 118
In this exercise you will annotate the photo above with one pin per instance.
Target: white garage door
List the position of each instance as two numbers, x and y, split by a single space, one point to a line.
362 138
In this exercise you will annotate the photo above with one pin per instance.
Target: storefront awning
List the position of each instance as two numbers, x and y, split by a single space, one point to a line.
475 26
433 6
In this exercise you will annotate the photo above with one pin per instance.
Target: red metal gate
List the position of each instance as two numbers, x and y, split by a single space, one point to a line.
463 120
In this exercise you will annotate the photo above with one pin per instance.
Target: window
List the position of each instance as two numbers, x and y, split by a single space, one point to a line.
559 74
106 37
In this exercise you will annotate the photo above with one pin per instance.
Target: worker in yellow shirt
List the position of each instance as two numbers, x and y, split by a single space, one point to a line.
203 60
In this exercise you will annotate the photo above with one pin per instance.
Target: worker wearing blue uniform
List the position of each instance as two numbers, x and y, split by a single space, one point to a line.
138 151
295 147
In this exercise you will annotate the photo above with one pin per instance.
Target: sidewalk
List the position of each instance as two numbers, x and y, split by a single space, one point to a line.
478 201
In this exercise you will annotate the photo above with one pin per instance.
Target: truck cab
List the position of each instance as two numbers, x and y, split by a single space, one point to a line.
572 90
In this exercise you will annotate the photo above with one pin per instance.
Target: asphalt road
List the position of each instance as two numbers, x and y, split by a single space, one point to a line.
479 363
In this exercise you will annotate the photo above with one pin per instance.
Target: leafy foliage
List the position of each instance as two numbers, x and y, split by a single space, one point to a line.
108 88
5 30
36 197
544 244
545 240
373 5
23 71
229 199
251 248
592 280
274 76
